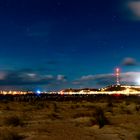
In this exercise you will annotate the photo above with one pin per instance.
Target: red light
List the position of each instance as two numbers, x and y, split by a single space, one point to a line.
117 70
117 95
62 92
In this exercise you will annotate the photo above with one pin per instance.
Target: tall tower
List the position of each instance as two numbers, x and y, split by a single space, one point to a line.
117 74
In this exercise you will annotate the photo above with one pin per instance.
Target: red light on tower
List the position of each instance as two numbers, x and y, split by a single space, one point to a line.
117 73
117 70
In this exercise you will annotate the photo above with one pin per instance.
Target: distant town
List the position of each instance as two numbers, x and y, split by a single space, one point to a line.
117 88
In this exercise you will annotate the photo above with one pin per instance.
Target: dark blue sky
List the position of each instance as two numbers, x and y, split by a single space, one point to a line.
53 44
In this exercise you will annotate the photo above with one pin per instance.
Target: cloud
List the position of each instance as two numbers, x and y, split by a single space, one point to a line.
88 77
105 80
20 79
129 61
61 78
94 77
25 78
29 79
108 79
94 81
2 75
135 8
131 8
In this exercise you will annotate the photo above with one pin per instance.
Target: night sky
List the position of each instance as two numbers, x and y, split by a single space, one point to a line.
56 44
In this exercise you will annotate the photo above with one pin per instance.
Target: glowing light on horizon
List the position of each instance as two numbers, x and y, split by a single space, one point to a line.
38 92
117 69
138 81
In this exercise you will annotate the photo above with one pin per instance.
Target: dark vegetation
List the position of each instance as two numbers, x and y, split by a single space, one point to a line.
13 121
25 114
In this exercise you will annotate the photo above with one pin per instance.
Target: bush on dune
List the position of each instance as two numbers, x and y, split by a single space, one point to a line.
101 119
13 121
10 135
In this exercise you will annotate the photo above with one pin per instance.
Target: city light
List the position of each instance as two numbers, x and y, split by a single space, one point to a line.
38 92
138 81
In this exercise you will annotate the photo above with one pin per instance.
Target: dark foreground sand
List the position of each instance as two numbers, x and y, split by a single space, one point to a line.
68 120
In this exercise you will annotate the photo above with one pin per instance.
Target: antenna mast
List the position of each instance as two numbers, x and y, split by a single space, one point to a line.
117 73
